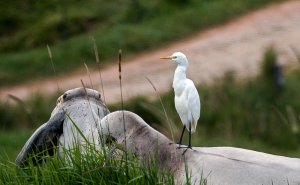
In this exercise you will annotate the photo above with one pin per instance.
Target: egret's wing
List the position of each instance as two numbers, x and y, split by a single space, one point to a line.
193 104
42 140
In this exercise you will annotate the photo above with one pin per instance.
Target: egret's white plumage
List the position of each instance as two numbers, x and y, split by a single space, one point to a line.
187 100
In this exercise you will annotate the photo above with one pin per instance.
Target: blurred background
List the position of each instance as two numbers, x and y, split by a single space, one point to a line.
244 56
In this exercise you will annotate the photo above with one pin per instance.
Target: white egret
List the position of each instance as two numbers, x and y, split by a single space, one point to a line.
187 100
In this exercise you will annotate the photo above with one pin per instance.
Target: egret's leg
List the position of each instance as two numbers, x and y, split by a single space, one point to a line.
190 137
180 140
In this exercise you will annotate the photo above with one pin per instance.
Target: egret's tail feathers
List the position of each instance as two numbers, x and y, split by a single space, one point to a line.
193 127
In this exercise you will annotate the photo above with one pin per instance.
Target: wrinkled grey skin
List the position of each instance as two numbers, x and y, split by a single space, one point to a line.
79 106
219 165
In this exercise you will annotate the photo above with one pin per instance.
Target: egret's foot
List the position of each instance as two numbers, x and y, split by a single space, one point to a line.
184 151
186 148
179 146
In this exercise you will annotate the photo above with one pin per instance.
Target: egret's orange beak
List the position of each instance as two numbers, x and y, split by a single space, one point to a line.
167 57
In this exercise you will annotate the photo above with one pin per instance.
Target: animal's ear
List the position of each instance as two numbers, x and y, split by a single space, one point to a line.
43 141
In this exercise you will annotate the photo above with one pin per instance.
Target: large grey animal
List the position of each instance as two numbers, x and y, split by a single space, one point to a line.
77 113
218 165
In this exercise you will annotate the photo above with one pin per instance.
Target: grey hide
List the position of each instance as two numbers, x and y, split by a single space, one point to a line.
219 165
79 106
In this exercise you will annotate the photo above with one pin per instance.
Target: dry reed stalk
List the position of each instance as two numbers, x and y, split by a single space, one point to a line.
122 108
99 68
89 74
53 67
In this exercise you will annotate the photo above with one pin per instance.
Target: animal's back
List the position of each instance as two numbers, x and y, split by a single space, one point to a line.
236 166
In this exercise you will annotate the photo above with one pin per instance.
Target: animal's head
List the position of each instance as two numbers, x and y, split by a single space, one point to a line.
75 106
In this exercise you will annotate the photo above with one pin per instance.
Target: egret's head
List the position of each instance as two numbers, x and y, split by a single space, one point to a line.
178 57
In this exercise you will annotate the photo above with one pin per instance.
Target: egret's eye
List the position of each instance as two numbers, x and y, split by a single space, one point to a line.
174 57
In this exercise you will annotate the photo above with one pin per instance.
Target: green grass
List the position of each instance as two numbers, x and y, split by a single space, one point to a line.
11 143
133 25
92 167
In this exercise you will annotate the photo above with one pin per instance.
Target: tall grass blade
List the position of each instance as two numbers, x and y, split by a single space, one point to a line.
99 68
23 105
164 109
53 67
96 120
89 75
87 97
78 129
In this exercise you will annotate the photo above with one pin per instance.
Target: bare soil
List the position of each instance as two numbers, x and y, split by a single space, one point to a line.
236 46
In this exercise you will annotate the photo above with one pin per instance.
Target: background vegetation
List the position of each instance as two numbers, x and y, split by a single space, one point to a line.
253 114
68 25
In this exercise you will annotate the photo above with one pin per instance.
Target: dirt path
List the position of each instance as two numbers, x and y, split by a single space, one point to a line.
237 46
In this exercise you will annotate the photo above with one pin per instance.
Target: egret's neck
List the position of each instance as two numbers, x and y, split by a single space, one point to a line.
179 76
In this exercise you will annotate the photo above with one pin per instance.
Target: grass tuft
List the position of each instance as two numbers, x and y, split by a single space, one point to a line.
90 167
